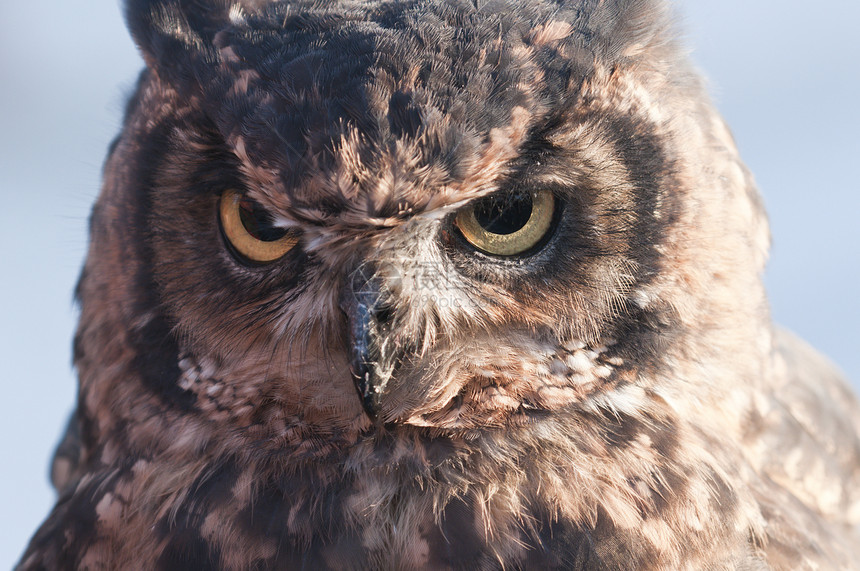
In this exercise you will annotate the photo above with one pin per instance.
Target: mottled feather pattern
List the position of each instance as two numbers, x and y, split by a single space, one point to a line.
615 397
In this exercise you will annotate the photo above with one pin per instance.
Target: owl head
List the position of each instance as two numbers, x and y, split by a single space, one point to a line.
327 218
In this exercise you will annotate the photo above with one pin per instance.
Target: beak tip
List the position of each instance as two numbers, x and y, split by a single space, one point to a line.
367 391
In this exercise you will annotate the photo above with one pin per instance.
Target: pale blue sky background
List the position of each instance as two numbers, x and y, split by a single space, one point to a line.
785 74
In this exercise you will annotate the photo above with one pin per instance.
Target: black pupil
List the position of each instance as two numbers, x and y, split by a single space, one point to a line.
504 214
258 222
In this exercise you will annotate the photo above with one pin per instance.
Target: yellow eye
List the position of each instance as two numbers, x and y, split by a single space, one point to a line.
251 231
507 224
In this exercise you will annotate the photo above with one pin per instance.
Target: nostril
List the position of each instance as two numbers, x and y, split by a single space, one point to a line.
383 314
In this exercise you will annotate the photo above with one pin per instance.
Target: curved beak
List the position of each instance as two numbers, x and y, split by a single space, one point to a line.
366 317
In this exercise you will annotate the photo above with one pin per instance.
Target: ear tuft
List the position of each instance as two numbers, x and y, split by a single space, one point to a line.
632 28
175 36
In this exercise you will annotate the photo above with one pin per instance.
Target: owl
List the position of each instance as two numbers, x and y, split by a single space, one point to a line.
437 284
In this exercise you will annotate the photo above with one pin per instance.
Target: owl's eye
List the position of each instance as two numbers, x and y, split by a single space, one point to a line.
507 224
251 231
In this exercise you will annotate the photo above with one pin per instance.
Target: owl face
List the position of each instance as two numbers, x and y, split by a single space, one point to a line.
446 217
